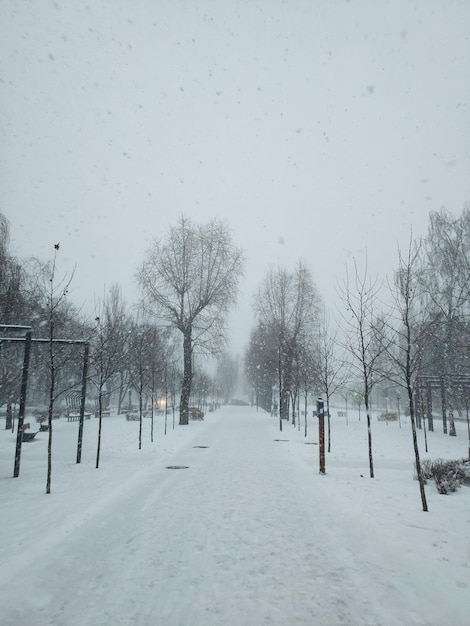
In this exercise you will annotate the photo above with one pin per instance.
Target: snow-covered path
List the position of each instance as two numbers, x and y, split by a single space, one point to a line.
248 534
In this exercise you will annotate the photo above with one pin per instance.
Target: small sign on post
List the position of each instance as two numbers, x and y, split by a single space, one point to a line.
321 433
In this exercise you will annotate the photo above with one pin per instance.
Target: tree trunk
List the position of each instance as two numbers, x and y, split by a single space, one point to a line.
187 377
293 396
369 433
284 408
306 412
49 439
429 406
120 392
100 417
369 439
286 387
451 402
416 450
444 407
329 421
140 412
8 419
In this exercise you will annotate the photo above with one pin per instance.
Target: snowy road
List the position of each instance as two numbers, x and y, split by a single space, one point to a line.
248 534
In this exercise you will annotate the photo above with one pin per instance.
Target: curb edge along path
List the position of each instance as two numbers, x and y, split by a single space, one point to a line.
248 534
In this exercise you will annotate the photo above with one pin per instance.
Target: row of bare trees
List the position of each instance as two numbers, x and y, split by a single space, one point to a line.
292 351
414 326
189 282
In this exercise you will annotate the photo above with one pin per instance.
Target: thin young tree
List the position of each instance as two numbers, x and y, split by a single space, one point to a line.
405 348
118 324
56 294
363 331
190 280
157 367
331 370
308 375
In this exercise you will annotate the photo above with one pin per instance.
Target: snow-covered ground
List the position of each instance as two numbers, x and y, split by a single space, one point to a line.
249 534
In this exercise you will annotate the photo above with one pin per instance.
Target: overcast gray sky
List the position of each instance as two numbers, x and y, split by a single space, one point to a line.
317 129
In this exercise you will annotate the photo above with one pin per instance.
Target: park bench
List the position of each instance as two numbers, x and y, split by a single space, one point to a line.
74 416
133 416
74 401
195 413
388 417
43 423
105 410
28 436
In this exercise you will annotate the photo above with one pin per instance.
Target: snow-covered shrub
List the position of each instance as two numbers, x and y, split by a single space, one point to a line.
447 474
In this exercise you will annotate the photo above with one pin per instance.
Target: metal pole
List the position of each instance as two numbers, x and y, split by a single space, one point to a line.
429 406
82 403
321 433
280 388
24 386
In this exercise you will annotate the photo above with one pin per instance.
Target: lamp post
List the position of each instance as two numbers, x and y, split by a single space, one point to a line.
398 409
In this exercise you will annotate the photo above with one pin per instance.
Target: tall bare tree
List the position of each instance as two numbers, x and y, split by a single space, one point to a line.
307 375
447 286
286 304
12 296
364 331
109 371
227 375
405 348
56 293
261 366
146 356
190 280
331 370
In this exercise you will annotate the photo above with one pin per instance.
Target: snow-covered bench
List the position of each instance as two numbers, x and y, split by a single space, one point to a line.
388 417
28 436
73 416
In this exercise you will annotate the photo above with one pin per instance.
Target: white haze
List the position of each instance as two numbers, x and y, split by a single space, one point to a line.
316 129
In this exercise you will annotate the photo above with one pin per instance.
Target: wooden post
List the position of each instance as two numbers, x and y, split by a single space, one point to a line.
321 433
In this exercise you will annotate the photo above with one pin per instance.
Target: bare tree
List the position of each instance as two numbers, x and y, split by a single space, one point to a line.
405 349
308 375
12 311
364 338
108 367
447 286
12 296
331 370
11 360
261 366
118 328
226 376
286 304
146 357
190 280
56 294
